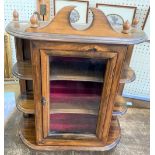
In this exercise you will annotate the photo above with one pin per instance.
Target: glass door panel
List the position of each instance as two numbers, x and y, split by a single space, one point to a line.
75 94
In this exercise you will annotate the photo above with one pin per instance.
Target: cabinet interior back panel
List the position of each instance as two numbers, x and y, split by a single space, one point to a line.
140 60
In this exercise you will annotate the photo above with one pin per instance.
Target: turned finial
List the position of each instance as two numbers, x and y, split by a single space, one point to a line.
126 27
135 22
15 16
34 21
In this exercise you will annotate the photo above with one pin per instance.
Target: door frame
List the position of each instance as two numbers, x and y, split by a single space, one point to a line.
115 53
111 60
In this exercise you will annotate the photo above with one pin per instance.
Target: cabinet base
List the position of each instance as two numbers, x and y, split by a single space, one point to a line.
27 135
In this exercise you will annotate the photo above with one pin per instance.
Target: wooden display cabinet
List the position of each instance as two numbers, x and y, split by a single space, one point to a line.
69 81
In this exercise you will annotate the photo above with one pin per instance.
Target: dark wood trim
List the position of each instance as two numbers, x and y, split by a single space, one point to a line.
115 84
105 97
121 6
59 46
19 49
127 63
87 12
36 74
86 54
45 91
20 57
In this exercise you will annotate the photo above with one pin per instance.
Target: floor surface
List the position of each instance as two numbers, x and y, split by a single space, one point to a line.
135 137
11 92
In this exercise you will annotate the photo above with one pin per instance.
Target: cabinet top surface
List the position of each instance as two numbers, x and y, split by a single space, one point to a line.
60 29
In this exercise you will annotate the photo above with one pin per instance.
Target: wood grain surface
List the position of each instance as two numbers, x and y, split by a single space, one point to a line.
59 29
95 122
23 70
27 134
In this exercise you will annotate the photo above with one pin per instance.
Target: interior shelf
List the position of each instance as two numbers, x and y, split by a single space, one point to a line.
77 69
84 108
80 108
27 134
23 70
26 105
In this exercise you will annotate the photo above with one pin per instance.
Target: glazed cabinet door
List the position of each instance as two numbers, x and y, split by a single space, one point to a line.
75 90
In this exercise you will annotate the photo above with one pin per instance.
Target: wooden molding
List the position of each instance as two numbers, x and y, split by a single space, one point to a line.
127 62
60 29
61 26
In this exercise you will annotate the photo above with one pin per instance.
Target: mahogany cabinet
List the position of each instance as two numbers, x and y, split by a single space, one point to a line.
70 79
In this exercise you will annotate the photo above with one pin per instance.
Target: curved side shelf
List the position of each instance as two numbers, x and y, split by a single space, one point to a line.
25 105
27 135
22 70
128 75
119 110
120 107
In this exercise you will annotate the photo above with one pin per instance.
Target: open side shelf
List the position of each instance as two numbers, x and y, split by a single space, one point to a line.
120 107
119 110
26 105
27 135
128 75
23 70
